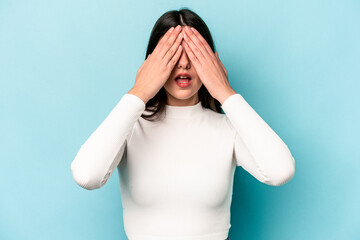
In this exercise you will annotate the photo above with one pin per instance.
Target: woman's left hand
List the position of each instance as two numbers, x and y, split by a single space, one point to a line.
208 66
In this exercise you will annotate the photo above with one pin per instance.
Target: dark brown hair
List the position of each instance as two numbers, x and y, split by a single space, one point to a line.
183 17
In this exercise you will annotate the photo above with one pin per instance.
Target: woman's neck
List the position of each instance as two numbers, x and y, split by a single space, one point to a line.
172 101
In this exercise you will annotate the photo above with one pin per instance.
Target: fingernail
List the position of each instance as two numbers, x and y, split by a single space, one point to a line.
193 29
178 27
171 29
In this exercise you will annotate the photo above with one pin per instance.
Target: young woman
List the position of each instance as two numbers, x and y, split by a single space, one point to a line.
176 163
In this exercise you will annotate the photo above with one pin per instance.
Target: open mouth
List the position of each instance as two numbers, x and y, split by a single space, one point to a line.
183 78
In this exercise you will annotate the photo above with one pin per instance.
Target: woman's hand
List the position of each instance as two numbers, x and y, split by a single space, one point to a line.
156 69
208 66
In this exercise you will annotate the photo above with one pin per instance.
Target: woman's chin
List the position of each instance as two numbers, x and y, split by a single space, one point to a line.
181 94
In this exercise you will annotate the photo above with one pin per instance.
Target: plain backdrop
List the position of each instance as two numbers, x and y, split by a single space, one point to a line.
65 64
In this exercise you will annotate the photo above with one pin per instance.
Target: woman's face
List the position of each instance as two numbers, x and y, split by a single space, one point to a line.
183 94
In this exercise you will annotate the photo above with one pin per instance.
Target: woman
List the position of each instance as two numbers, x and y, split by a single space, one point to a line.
176 164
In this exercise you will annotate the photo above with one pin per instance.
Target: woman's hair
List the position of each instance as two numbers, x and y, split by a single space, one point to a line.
183 17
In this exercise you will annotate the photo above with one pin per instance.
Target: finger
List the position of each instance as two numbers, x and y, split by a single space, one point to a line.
222 65
169 54
192 56
167 44
176 57
203 41
195 47
162 40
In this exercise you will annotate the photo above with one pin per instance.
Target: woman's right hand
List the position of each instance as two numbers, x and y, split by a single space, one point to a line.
156 69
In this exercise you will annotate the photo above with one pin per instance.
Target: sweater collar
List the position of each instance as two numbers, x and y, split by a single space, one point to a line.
183 112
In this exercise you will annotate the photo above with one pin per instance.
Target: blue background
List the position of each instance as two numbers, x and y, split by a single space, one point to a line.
65 64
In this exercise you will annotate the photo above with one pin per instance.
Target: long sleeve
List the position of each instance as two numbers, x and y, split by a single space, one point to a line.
257 148
99 156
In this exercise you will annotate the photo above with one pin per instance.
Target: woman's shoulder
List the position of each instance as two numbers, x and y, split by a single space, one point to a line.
214 114
221 118
217 117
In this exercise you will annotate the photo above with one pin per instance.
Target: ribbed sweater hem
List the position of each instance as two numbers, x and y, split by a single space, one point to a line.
213 236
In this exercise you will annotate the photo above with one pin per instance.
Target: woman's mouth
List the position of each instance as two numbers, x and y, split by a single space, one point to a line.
183 83
183 80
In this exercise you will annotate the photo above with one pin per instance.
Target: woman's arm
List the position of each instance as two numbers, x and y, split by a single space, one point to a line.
99 156
257 148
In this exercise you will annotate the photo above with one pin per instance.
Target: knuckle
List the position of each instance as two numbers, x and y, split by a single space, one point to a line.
168 45
173 62
163 68
171 51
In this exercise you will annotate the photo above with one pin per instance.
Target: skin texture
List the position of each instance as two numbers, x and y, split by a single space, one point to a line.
204 66
182 50
156 69
176 95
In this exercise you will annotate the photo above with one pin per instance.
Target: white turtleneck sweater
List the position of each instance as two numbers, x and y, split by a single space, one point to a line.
176 175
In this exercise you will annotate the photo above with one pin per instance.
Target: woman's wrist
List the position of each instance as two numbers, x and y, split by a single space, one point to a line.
140 94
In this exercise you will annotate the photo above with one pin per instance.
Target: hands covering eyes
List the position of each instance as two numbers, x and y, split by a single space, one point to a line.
156 69
209 68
